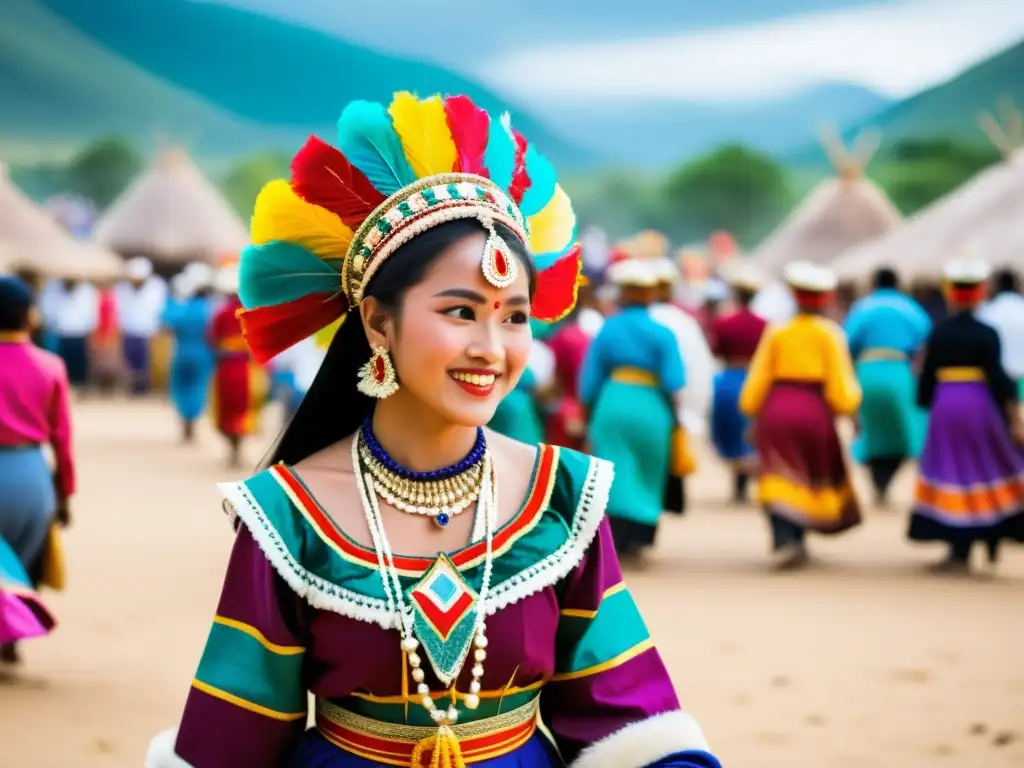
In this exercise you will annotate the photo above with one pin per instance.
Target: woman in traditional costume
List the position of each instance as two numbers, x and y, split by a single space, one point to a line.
35 410
240 385
800 380
630 385
735 338
421 226
970 484
188 319
885 331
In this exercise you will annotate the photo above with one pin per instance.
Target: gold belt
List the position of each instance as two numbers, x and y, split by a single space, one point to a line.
960 373
879 354
629 375
397 743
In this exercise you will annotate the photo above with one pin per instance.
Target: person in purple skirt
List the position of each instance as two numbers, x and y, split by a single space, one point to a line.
970 484
449 596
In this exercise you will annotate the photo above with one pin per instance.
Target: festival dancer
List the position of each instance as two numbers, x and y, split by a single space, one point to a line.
429 211
735 337
800 379
885 330
35 411
694 402
630 385
72 312
140 304
1005 313
970 484
188 318
240 385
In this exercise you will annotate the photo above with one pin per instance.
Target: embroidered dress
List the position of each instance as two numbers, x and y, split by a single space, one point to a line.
303 610
885 331
800 379
240 385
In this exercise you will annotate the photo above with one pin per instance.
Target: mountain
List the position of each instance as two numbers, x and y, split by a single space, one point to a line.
286 79
663 133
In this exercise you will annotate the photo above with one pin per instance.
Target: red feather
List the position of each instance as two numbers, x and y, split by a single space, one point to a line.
520 178
557 287
470 127
269 331
323 176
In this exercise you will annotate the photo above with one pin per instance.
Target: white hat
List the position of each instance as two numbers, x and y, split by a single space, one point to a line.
200 274
966 271
225 281
664 270
632 272
742 275
805 276
138 268
715 290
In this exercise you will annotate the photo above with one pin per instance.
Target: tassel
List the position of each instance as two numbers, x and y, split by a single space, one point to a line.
552 228
520 176
558 287
280 214
269 331
500 157
323 176
470 129
542 182
445 751
422 127
279 272
368 139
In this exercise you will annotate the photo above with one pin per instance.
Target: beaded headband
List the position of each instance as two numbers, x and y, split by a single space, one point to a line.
319 238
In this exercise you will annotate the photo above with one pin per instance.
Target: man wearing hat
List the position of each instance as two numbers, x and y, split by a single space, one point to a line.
187 317
140 304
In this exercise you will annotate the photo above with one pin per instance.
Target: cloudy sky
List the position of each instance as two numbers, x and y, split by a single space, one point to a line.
720 50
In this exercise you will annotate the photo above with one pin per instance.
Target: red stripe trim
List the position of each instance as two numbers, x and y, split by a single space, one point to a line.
326 528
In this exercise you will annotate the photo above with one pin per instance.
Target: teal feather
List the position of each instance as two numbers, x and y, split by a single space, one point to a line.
368 139
500 157
279 272
542 182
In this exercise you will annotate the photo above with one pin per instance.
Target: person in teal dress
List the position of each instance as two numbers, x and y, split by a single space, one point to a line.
192 362
886 329
632 374
520 415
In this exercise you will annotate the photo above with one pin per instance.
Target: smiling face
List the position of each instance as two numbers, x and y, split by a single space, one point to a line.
458 344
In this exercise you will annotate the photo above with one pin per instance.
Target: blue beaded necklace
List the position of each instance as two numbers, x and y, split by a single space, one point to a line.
439 493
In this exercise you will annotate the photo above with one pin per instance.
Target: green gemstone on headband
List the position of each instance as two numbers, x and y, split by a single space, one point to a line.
404 209
429 196
453 192
383 226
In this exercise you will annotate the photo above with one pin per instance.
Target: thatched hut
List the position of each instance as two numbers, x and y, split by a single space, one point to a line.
172 215
837 214
984 216
30 240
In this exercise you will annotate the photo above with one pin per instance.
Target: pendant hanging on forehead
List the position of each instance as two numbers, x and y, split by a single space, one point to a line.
498 264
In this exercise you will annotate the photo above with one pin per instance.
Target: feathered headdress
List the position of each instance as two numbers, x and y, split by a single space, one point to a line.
397 171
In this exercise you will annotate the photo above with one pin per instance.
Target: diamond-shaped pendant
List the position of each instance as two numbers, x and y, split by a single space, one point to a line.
444 617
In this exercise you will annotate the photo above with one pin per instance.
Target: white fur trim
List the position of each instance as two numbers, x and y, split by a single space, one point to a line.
324 595
645 742
161 751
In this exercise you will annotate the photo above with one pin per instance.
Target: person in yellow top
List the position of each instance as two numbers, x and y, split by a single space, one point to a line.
800 379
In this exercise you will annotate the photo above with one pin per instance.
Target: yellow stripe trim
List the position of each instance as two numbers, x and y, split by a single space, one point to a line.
583 613
630 375
230 698
960 373
280 650
604 666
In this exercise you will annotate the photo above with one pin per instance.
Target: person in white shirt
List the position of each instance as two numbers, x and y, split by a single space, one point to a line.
1005 312
72 312
140 306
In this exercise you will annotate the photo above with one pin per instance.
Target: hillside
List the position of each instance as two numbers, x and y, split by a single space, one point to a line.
268 72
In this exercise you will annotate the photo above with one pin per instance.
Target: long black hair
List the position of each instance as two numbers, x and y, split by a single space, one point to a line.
333 408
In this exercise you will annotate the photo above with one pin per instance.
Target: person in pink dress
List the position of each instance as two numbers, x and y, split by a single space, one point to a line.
34 411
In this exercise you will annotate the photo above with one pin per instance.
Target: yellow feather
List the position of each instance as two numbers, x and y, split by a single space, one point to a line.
282 215
423 129
552 226
324 336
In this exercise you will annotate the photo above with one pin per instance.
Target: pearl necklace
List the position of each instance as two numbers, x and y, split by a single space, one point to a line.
394 595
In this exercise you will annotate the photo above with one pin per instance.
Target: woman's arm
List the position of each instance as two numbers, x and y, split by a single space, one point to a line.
842 390
247 705
611 703
60 439
927 381
759 376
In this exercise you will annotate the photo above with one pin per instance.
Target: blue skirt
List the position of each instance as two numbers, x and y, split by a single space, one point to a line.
28 501
891 424
190 381
728 424
314 751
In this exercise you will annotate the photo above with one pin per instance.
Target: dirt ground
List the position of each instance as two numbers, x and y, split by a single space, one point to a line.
862 661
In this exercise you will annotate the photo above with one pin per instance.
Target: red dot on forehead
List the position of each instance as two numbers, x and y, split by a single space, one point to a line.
497 305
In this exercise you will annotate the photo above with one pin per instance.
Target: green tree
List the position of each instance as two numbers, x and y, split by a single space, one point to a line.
244 181
103 169
732 188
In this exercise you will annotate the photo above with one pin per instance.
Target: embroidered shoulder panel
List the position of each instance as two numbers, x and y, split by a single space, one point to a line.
537 548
